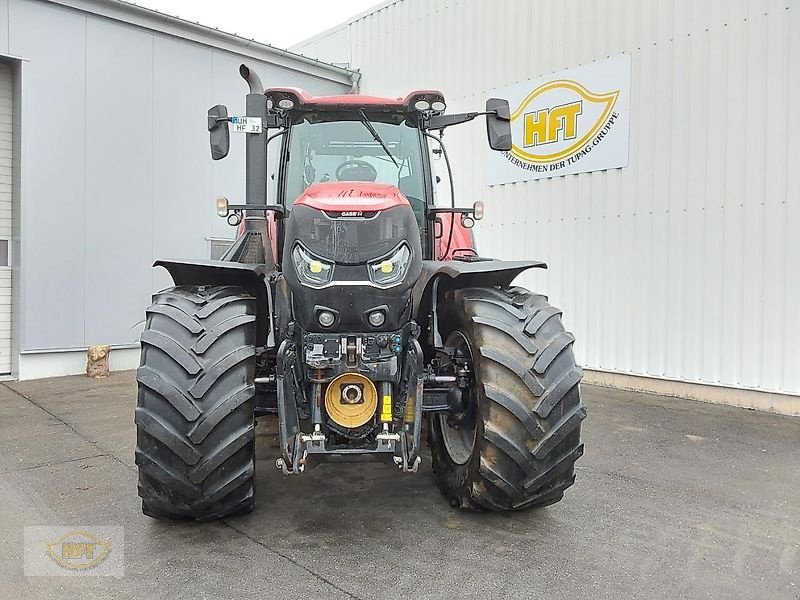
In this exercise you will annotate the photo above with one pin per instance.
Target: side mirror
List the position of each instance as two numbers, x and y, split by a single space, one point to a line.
498 124
219 133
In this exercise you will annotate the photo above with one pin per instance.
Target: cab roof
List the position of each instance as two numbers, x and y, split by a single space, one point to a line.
302 100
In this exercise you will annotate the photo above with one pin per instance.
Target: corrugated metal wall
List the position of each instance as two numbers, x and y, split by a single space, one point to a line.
686 264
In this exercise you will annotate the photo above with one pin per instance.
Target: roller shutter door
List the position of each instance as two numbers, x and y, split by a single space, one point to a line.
6 100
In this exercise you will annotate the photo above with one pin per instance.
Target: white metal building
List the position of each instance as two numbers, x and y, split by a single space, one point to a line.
105 166
679 272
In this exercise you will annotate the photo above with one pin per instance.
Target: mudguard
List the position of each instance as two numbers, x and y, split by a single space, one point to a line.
455 273
440 276
253 279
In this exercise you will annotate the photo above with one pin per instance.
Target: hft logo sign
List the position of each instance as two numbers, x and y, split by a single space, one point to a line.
543 126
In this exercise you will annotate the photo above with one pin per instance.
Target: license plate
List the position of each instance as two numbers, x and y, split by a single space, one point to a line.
246 124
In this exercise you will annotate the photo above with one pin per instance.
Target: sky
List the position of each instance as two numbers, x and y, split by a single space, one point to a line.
278 23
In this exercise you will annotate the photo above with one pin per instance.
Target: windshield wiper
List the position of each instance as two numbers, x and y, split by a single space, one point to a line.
368 124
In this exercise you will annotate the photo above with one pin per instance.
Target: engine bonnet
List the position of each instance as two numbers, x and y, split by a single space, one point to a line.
351 223
337 196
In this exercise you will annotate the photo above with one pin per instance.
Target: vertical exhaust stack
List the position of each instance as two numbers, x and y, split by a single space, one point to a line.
256 106
255 245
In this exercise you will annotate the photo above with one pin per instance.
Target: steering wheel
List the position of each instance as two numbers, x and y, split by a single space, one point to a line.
361 170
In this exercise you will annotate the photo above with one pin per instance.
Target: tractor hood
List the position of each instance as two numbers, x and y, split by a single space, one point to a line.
343 242
351 196
350 223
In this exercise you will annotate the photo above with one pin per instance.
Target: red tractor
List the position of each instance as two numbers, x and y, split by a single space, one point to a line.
353 307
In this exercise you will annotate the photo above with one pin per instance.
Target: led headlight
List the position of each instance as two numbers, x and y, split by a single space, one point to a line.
391 269
311 271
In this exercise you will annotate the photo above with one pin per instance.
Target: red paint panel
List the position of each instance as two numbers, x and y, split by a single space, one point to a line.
338 196
462 241
355 99
350 99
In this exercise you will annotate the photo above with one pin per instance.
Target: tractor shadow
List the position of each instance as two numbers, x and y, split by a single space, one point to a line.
342 512
336 504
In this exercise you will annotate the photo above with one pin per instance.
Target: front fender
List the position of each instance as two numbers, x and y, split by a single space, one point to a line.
458 274
440 276
253 279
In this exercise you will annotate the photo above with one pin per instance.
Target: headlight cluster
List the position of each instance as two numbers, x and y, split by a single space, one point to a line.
311 271
383 272
391 269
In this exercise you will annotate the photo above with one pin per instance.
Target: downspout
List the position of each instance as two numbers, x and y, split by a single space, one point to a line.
355 78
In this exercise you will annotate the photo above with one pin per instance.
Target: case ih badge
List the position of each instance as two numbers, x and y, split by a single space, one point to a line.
352 331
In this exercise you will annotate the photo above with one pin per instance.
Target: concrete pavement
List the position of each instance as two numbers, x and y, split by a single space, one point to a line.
674 499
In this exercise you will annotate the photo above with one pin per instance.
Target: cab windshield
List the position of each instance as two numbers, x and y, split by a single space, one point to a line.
346 150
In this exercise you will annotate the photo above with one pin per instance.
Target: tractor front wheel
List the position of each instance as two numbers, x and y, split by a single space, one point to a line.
515 444
195 411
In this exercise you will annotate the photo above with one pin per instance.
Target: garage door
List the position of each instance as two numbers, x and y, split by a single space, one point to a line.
6 98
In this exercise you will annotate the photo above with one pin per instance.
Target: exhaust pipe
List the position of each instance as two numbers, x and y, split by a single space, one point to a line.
256 106
252 79
256 167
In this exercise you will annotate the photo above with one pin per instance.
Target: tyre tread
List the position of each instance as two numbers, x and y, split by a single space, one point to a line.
194 418
521 346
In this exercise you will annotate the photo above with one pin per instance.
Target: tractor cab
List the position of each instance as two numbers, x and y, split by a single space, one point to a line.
355 140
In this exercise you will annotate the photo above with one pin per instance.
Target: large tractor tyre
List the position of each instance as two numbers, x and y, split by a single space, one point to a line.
515 443
195 413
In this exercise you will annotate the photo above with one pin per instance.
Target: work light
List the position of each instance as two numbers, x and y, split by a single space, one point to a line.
422 105
377 318
222 206
326 318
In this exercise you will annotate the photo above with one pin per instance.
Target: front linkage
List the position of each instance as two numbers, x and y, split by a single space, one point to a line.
351 366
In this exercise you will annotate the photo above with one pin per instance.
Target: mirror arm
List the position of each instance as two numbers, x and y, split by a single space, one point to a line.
272 121
276 208
458 211
440 122
212 121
